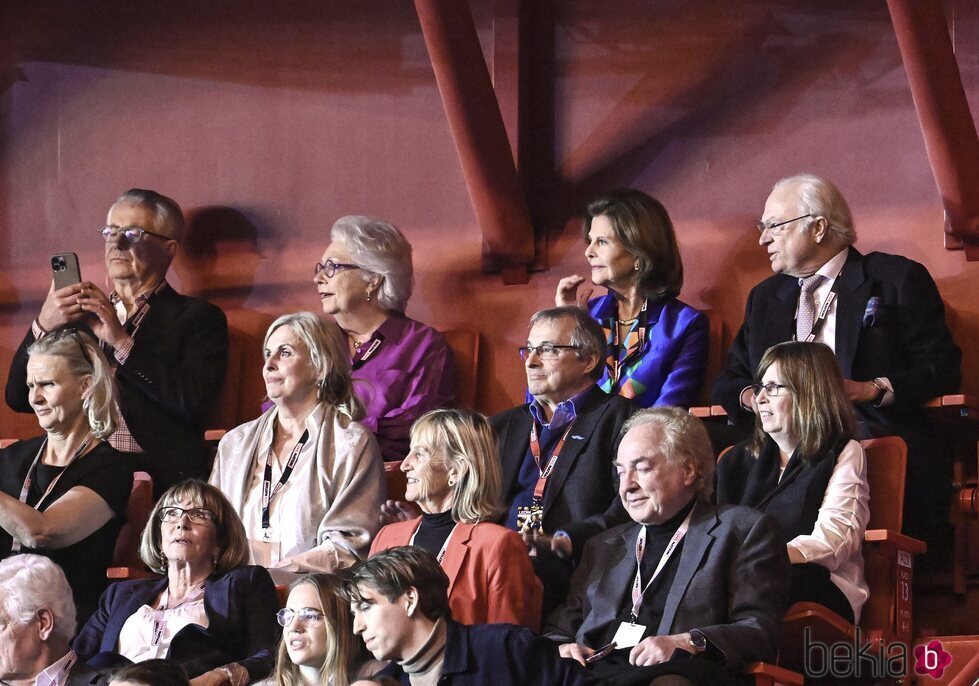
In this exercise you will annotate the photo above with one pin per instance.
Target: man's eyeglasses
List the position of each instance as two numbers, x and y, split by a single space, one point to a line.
198 515
132 234
329 268
777 228
306 615
773 389
545 351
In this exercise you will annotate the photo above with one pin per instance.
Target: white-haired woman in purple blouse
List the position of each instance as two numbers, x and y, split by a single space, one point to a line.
401 367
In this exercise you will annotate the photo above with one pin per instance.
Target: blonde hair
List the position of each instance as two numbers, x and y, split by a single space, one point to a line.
84 358
342 646
821 414
232 540
469 445
327 348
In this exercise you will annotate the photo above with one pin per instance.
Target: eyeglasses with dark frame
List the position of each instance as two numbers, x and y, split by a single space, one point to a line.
306 615
132 234
777 228
329 268
198 515
771 388
545 351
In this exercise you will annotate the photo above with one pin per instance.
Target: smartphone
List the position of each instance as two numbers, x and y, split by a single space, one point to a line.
64 268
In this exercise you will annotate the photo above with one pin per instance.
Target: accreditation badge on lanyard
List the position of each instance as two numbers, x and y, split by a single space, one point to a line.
269 491
531 517
631 632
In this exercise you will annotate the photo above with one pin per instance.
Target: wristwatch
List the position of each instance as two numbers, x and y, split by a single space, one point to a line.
697 640
881 392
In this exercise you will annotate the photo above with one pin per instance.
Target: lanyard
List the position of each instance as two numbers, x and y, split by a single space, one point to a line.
615 369
61 675
823 310
28 480
269 491
445 545
638 590
545 472
160 616
375 343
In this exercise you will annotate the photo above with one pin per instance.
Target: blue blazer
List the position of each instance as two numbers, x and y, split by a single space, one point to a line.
500 655
670 367
240 607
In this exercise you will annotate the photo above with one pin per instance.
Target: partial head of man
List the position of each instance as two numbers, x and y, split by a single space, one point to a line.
37 616
805 223
564 355
141 234
396 598
664 462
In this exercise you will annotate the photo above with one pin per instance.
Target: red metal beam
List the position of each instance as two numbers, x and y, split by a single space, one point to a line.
479 134
943 112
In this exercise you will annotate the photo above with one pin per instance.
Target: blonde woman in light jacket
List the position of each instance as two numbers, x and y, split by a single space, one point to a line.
320 466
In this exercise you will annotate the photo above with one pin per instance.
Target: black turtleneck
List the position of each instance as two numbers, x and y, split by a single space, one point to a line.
433 531
654 601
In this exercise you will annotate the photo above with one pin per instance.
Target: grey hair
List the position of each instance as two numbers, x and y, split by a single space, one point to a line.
821 198
329 356
169 216
84 358
379 249
30 583
587 335
685 441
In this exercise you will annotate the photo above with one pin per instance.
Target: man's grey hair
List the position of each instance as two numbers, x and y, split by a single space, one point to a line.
30 583
685 441
169 218
378 247
821 198
587 336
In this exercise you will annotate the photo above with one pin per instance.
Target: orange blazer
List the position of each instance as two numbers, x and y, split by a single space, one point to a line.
491 579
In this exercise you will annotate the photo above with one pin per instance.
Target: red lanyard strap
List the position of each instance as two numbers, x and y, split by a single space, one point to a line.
545 472
268 490
28 480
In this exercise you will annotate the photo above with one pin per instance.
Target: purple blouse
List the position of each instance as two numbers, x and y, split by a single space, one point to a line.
402 372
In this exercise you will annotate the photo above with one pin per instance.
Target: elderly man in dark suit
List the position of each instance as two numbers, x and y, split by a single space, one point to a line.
880 313
685 593
169 350
556 452
37 620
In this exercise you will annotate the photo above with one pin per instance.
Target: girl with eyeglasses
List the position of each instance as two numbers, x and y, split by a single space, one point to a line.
211 613
64 494
805 467
318 647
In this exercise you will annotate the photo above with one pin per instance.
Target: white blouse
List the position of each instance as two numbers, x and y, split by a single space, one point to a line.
136 636
836 542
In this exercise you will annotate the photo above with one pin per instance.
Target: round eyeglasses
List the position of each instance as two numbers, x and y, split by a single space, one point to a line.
306 615
545 351
329 268
198 515
132 234
773 389
778 227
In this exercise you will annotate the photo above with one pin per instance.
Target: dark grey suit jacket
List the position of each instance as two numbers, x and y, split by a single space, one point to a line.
732 583
582 492
901 335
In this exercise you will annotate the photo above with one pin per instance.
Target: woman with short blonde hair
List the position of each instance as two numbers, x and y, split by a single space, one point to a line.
453 475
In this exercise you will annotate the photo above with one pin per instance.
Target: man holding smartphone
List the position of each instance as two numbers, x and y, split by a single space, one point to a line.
168 351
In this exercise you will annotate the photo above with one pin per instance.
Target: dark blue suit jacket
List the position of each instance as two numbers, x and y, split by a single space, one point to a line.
500 655
890 322
240 607
669 370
